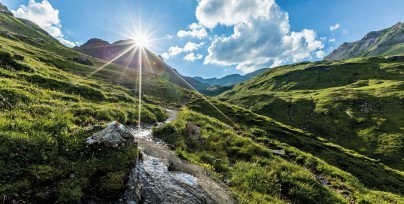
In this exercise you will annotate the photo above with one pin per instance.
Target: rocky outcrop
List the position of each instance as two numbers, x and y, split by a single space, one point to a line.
114 135
83 60
4 9
193 131
389 41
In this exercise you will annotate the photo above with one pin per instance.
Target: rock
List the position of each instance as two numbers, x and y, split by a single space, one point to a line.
83 60
114 135
4 9
323 180
279 152
193 131
138 192
9 35
395 59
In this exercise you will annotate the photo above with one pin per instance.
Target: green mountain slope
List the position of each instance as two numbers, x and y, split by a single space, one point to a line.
48 107
49 104
357 103
264 161
389 41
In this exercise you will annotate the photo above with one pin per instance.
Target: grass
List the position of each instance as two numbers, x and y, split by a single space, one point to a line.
48 107
44 123
356 103
245 161
376 176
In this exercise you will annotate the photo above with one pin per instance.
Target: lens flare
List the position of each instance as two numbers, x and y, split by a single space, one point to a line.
141 40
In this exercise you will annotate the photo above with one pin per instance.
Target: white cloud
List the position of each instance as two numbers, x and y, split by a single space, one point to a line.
175 50
335 27
332 40
196 31
320 54
210 13
261 35
345 31
67 43
192 57
165 55
190 46
45 16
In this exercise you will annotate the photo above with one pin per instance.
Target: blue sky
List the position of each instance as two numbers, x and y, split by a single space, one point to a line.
223 38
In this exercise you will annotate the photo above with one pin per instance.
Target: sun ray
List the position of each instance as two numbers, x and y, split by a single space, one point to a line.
129 59
110 62
140 87
141 34
148 62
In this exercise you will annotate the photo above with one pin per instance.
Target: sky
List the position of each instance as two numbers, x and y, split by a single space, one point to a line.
215 38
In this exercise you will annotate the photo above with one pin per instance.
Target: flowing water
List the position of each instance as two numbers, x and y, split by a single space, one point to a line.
161 177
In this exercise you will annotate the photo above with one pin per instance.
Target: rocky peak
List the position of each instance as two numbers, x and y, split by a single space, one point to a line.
398 25
4 9
375 43
95 42
373 34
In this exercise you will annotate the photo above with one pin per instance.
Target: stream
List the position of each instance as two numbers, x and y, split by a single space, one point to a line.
161 177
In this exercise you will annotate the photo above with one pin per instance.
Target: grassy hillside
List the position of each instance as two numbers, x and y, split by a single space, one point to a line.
48 106
264 161
357 103
47 109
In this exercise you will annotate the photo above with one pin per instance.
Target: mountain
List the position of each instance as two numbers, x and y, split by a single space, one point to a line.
152 63
49 104
230 79
247 156
389 41
52 101
357 103
4 10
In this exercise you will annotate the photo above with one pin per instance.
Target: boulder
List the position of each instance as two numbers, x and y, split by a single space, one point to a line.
114 135
193 131
278 152
83 60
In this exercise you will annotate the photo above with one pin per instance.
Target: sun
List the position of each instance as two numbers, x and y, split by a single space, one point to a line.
141 40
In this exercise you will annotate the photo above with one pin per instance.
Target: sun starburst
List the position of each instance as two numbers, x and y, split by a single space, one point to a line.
140 39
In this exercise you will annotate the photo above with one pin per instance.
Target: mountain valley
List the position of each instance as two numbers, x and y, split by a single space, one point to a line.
114 123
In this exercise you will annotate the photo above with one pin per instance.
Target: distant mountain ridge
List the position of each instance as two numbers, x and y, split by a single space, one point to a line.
152 63
108 51
388 41
230 79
